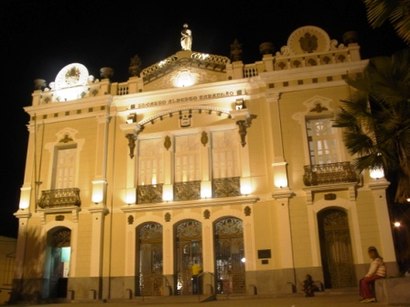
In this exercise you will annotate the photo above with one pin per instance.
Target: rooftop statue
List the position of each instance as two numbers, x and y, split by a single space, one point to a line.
186 38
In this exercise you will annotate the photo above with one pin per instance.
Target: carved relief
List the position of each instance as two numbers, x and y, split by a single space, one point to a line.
204 138
167 142
130 220
243 127
207 214
167 217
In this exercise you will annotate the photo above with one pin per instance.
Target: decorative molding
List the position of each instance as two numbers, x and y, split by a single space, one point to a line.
66 139
243 125
200 203
167 217
207 214
247 211
282 193
167 142
380 184
351 187
204 138
130 220
318 108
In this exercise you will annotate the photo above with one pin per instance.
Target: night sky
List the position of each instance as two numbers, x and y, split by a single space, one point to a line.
38 38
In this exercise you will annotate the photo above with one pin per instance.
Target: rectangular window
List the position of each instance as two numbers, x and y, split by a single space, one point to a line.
225 154
187 158
64 167
151 161
322 141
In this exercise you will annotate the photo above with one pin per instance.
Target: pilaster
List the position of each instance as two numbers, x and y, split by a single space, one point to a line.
284 227
378 188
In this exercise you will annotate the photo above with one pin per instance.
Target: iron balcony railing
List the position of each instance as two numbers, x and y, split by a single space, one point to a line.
60 198
340 172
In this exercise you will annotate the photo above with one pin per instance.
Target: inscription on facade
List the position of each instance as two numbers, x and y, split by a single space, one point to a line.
193 98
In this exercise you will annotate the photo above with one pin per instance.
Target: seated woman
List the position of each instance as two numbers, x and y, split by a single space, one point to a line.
377 270
309 286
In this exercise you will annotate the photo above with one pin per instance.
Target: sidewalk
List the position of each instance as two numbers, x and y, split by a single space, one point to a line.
326 300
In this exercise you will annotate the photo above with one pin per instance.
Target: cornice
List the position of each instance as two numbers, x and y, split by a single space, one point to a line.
56 107
226 201
313 71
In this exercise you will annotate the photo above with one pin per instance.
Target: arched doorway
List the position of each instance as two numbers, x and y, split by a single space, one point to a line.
229 256
149 259
188 251
57 264
336 249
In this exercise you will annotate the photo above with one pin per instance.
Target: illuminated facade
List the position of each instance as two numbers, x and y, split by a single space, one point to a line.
198 159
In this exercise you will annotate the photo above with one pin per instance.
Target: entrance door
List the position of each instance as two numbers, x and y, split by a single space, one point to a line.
188 252
229 256
149 259
57 265
336 249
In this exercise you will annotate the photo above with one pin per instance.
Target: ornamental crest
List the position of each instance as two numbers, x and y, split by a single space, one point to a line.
72 75
308 42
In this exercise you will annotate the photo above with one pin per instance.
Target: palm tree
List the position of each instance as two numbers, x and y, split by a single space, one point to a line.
376 120
396 11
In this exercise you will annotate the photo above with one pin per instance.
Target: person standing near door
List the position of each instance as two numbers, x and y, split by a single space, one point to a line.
377 270
196 270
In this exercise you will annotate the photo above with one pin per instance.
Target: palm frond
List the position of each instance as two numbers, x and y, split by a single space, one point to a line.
379 11
396 11
358 142
400 18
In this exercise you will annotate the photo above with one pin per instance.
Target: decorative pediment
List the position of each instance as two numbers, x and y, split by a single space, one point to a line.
184 69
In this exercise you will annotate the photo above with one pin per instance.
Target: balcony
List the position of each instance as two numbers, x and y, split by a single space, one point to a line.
330 173
190 190
148 194
59 198
226 187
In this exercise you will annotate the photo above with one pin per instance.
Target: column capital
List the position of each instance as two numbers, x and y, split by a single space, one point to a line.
22 213
284 193
378 184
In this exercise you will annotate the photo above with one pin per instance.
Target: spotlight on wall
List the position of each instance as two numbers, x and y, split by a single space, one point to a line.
131 118
131 196
239 104
397 224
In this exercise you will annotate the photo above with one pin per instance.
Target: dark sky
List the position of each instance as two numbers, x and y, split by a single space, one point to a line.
38 38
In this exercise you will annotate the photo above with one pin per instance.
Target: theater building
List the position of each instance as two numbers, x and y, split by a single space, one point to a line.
198 158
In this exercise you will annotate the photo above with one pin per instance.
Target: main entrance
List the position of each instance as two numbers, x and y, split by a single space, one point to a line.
336 249
149 259
188 258
57 265
229 256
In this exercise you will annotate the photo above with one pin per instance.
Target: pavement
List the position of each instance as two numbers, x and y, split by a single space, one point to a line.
322 300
